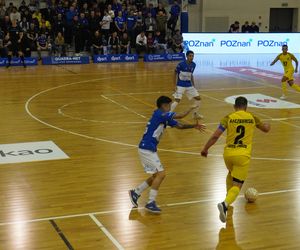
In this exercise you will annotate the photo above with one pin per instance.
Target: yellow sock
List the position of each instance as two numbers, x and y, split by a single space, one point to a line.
283 85
232 194
228 181
296 87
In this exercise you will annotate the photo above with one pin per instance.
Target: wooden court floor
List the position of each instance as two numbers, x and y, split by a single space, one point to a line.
97 114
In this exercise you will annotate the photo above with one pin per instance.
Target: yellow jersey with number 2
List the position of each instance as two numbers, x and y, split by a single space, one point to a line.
240 127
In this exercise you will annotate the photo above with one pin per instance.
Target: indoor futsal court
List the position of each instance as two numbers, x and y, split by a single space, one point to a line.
90 119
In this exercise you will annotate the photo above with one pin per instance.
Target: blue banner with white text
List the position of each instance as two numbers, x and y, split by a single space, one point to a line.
115 58
29 61
164 57
54 60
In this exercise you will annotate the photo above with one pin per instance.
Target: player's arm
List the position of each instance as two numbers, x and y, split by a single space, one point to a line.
263 126
212 140
192 80
175 78
275 60
296 61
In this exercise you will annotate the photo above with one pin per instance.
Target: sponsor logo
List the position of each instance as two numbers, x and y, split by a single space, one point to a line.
264 102
101 59
198 43
129 58
169 56
271 43
116 58
150 57
235 43
30 151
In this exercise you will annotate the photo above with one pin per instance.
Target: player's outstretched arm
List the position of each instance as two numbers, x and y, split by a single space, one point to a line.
212 140
200 127
296 61
184 114
264 127
275 61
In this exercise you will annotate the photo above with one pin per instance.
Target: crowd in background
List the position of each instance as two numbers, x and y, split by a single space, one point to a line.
89 26
246 27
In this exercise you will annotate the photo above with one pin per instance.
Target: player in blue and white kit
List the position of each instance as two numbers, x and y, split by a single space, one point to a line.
161 118
184 83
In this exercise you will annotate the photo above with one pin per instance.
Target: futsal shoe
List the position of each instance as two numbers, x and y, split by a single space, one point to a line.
283 97
197 116
223 212
152 208
133 197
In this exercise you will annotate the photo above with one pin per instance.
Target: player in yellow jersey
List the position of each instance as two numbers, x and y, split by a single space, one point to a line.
240 126
287 59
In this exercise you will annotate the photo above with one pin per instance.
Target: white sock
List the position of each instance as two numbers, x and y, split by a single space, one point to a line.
173 106
197 104
141 188
152 195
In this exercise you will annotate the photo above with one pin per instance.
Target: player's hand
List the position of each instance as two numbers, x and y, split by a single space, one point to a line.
272 64
200 127
204 153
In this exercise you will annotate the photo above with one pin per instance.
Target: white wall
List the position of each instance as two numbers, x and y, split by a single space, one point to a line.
241 10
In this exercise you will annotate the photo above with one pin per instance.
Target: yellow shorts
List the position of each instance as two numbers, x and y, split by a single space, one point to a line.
238 166
289 74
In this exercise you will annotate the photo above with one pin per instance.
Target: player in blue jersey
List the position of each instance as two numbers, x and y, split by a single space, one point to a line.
184 83
161 118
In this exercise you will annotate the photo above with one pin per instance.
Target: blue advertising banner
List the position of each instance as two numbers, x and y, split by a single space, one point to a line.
115 58
240 43
54 60
164 57
29 61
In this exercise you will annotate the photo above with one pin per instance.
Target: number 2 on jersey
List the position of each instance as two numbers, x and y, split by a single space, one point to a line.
241 133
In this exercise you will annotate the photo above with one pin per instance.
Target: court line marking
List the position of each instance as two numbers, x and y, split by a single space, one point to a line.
27 104
114 211
106 232
123 106
61 234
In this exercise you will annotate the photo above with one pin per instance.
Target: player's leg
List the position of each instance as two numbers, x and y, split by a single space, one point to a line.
229 180
192 93
284 87
177 96
21 55
9 57
239 174
293 85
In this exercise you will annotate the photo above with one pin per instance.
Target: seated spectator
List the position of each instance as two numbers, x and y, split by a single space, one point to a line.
150 44
15 15
37 16
235 27
160 42
150 23
43 45
59 45
24 25
114 43
97 44
2 10
45 23
141 43
125 44
254 28
246 27
177 41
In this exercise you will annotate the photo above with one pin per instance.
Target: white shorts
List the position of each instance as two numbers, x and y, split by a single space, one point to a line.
150 161
191 92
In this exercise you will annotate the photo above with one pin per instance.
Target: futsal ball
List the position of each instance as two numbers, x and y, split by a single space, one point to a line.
251 195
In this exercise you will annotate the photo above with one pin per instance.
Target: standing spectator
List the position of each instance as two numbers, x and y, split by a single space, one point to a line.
235 27
177 41
116 7
140 23
97 44
110 12
150 44
141 43
161 8
120 23
125 44
58 25
160 42
32 6
15 15
246 27
254 28
161 20
124 11
60 9
37 16
151 10
24 46
84 24
5 24
43 45
94 22
114 43
85 10
105 24
172 22
27 15
24 24
10 8
150 23
23 7
77 32
2 11
131 26
32 35
2 49
59 45
70 14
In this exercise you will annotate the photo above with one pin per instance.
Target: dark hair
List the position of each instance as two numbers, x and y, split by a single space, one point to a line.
241 102
189 52
163 100
284 45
